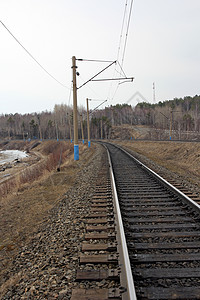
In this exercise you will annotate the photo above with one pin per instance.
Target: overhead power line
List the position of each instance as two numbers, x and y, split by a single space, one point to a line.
126 30
119 48
129 18
33 56
122 69
121 34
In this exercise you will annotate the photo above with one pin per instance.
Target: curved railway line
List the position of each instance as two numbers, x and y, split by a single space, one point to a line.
155 253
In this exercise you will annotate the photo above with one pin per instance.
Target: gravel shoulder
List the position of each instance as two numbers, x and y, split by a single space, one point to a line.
43 264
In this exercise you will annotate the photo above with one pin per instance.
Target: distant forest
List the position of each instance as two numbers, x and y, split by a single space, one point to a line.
179 114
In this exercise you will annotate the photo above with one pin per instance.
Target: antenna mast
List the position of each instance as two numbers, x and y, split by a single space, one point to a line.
154 92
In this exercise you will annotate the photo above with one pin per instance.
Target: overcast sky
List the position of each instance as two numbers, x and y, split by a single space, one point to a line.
163 46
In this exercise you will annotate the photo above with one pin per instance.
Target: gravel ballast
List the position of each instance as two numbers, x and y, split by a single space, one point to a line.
45 267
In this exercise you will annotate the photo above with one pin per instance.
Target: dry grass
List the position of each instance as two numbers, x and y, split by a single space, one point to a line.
51 155
22 211
180 157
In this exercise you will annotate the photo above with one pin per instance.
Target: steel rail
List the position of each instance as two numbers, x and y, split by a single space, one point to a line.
122 246
161 179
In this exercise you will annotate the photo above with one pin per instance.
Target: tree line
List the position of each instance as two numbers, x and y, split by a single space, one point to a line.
181 114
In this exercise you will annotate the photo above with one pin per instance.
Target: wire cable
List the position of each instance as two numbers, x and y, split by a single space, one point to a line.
129 18
32 56
121 34
117 87
118 52
88 86
70 92
121 70
125 43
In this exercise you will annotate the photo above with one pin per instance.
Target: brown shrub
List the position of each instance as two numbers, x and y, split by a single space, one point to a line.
57 153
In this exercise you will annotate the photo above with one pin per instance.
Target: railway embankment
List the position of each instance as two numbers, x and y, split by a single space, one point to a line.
42 223
40 254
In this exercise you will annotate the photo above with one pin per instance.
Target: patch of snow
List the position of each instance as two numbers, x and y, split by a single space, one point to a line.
8 156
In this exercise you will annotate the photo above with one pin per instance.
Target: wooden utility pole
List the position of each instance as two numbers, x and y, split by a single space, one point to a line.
88 123
82 128
75 116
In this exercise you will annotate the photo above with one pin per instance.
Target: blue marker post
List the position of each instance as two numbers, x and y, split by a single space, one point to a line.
76 152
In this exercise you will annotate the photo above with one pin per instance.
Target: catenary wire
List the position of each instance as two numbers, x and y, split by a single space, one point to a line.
121 69
119 47
121 34
33 56
125 43
121 74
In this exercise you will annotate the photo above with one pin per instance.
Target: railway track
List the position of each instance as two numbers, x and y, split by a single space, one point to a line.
162 231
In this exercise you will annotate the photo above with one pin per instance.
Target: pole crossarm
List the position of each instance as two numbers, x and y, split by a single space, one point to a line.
91 79
121 78
94 60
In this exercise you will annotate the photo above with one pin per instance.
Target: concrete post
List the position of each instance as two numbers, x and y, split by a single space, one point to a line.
88 123
75 116
82 128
